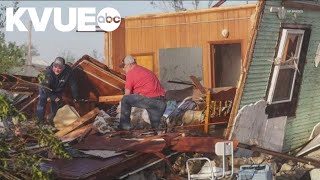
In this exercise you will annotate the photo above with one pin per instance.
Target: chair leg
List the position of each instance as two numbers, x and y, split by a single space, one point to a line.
207 117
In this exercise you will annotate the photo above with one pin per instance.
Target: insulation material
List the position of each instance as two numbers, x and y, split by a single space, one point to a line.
104 123
253 127
273 133
65 116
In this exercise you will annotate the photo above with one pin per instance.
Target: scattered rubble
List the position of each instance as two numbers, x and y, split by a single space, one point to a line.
90 133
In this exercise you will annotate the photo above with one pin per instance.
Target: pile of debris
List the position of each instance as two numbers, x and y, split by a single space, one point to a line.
89 131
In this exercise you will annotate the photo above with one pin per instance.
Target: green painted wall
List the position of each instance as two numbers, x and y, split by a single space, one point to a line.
308 111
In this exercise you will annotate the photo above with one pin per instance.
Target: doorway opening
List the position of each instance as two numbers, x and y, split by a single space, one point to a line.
226 66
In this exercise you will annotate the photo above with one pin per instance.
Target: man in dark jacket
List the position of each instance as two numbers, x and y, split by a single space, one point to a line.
57 76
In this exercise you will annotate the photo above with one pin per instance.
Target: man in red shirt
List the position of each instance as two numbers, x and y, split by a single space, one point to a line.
143 90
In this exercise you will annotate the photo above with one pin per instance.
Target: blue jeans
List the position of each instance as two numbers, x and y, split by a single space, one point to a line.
42 103
154 106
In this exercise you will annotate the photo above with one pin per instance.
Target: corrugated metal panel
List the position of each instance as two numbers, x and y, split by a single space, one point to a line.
307 114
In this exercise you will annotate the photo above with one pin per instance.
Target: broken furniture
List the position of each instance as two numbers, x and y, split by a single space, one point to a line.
219 103
218 106
223 149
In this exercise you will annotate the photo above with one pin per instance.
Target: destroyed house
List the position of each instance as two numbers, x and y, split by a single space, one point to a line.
209 44
272 88
279 94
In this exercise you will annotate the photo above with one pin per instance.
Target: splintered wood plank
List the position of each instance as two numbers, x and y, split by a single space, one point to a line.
198 84
115 98
78 123
76 133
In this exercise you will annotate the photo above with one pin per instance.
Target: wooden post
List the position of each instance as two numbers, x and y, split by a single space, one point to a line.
206 120
198 84
77 133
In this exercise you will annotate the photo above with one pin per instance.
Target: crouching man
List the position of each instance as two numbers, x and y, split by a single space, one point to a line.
143 90
57 76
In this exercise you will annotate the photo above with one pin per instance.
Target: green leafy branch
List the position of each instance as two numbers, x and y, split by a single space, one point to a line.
17 161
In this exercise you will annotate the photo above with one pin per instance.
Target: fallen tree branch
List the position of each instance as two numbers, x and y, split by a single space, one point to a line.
35 84
8 175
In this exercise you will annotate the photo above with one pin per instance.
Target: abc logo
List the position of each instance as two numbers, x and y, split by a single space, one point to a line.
109 19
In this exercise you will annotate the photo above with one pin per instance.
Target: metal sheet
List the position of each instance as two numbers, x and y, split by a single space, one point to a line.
85 168
315 143
79 167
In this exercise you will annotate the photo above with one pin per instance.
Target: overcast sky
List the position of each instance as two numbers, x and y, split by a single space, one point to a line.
52 43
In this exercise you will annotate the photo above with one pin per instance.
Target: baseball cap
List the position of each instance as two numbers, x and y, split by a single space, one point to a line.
59 61
127 60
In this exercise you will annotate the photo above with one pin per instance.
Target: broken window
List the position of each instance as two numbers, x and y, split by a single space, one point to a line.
286 66
286 77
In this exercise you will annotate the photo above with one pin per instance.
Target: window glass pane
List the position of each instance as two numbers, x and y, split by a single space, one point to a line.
283 85
290 49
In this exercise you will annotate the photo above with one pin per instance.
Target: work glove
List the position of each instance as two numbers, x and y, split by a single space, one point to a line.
77 100
59 102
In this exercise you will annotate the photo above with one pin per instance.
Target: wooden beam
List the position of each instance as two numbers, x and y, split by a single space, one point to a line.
78 123
198 84
76 133
300 5
115 98
281 155
219 3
